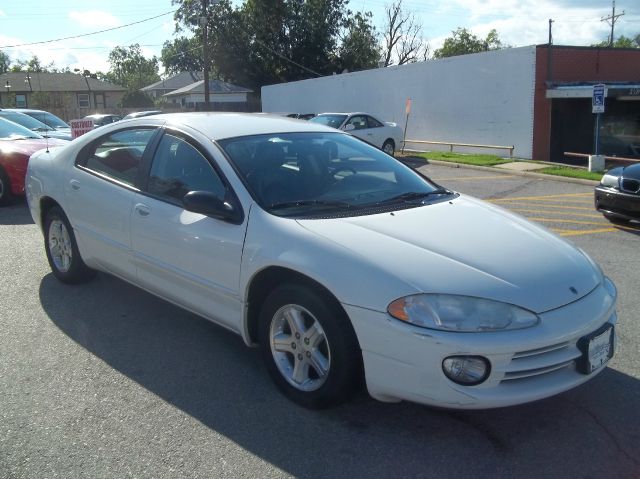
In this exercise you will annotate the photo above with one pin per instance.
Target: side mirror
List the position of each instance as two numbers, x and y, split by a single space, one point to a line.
207 203
349 127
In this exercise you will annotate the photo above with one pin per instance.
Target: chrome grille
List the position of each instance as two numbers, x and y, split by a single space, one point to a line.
536 362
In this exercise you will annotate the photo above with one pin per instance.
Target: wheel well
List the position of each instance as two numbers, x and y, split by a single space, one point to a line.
46 204
266 281
390 140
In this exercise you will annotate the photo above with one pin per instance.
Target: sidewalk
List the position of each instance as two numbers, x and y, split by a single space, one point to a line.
520 168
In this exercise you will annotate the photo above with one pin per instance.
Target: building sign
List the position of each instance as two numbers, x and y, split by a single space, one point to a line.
80 127
597 99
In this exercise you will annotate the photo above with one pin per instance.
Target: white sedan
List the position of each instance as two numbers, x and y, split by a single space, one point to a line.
336 259
385 135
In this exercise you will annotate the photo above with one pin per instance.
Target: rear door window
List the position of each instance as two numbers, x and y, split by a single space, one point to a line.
118 156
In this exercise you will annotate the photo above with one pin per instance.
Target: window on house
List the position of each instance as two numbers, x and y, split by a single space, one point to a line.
21 101
83 100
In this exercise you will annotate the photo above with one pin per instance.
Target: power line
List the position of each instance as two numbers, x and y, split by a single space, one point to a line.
613 17
87 34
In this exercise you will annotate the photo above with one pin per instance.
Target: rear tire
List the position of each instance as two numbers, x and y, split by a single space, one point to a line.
6 197
62 249
389 147
309 347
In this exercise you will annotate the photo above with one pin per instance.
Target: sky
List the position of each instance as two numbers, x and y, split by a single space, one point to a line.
518 22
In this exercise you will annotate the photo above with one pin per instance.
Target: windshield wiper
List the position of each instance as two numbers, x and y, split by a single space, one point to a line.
324 203
416 195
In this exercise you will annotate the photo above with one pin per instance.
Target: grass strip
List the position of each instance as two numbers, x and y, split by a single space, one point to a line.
570 172
467 159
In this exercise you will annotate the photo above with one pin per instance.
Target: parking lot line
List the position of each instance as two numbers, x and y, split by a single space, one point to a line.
467 178
586 232
565 195
562 220
557 206
554 212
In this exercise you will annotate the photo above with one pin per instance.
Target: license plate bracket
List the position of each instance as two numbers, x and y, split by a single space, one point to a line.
597 349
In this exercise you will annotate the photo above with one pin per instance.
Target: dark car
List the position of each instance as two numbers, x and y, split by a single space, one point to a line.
302 116
138 114
617 196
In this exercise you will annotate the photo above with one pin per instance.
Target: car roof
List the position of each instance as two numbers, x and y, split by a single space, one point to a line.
218 126
345 113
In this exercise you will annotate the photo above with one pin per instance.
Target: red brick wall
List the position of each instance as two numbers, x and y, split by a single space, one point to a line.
576 64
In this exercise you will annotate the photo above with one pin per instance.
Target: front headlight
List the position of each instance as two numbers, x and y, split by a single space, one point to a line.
449 312
609 180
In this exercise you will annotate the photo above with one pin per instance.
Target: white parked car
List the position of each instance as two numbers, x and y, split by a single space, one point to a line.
385 135
333 257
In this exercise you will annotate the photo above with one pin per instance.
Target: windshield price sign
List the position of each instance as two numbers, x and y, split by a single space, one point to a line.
597 100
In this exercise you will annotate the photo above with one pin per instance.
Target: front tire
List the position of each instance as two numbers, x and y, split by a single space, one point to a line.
309 347
62 249
5 189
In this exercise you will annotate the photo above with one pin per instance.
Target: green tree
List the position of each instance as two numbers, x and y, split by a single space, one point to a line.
463 42
129 68
621 42
359 49
272 41
5 62
182 55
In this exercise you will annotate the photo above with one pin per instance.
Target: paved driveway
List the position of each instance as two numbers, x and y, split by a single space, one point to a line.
105 380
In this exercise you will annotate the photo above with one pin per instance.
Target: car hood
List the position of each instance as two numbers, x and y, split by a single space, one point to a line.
29 146
468 247
631 171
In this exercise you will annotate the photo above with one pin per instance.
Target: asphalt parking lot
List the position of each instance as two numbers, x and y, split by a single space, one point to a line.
105 380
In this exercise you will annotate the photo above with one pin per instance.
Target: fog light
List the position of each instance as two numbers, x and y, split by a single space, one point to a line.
466 370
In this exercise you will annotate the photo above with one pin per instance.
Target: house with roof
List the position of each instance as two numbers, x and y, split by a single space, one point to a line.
172 83
223 96
67 95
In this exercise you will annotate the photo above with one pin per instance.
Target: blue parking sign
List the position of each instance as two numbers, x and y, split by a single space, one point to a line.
597 100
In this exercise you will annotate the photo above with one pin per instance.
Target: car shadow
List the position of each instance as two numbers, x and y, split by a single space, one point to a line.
17 213
209 373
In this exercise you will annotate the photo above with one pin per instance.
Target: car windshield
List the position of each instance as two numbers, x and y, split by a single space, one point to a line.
311 174
334 121
13 131
25 120
47 118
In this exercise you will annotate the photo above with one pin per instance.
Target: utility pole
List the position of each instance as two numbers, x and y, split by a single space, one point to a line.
549 54
205 52
611 20
204 22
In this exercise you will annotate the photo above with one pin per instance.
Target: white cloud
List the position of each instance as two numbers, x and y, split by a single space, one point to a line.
2 14
525 22
94 19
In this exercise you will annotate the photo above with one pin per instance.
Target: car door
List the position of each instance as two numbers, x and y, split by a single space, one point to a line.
377 130
99 197
361 129
188 258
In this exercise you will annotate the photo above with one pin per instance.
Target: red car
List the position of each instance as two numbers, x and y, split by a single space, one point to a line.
17 144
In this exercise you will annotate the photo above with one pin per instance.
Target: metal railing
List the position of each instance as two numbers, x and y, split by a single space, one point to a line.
608 158
471 145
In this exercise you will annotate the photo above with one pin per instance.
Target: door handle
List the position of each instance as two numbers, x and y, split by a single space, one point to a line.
142 210
75 185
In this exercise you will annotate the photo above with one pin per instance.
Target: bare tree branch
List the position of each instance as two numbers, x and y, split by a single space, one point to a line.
403 41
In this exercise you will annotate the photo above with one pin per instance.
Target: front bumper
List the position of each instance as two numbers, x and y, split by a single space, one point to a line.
403 362
617 203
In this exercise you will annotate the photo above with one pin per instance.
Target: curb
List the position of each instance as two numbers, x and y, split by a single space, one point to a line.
531 174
